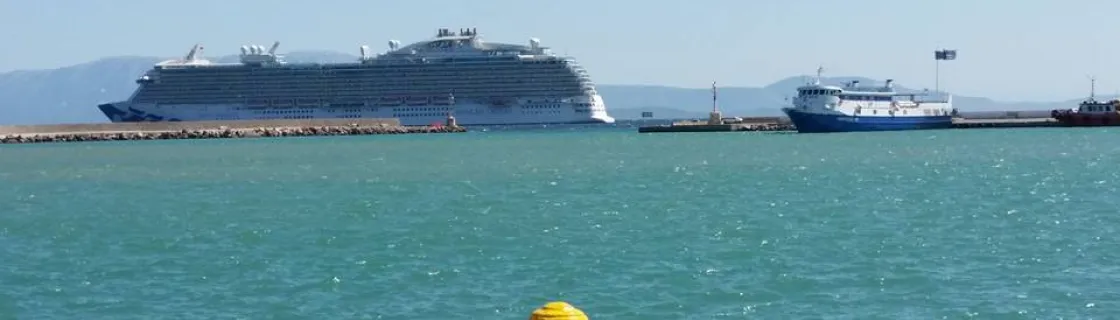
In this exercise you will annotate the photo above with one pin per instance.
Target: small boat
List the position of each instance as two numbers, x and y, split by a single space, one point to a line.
1091 112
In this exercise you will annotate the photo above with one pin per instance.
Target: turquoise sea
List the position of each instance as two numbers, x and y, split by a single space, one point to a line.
945 224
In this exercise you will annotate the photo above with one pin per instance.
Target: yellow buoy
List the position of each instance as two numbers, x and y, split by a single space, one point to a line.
558 310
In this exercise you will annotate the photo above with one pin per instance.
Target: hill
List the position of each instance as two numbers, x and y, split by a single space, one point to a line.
70 94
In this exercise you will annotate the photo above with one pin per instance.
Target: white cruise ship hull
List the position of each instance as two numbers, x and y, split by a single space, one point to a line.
477 82
591 111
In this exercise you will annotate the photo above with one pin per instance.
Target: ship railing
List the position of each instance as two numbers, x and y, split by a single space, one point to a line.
920 98
930 100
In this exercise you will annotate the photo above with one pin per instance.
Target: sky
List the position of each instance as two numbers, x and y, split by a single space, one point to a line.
1023 50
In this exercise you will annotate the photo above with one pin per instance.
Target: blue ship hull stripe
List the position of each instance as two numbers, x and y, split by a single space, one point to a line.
818 123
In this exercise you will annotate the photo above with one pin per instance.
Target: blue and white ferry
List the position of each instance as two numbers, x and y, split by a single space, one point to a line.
826 108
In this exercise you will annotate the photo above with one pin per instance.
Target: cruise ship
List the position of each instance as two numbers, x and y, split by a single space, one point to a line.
854 107
452 74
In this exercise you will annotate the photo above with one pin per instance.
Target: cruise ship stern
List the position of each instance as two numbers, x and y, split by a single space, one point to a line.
599 111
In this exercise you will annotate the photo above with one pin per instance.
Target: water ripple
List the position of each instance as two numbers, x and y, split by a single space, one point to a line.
920 225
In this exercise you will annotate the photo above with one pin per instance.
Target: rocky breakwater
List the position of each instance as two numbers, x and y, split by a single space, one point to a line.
224 132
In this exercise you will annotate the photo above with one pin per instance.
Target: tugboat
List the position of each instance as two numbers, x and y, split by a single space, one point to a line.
1090 113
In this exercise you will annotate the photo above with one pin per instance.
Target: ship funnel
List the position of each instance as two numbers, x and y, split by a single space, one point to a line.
244 50
890 83
535 43
365 51
272 50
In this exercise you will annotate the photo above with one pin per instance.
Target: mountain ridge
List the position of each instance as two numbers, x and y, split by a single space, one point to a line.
70 94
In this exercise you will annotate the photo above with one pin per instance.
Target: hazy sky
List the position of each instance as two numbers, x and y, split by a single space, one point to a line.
1008 50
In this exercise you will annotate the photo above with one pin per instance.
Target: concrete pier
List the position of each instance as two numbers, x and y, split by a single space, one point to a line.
725 125
783 124
964 123
210 130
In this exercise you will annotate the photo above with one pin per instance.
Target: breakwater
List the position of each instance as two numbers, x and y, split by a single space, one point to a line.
967 120
701 127
211 130
724 125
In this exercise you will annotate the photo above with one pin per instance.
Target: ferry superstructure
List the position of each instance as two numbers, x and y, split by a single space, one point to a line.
853 107
452 74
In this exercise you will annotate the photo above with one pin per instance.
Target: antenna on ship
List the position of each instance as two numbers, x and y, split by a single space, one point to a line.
820 69
1092 87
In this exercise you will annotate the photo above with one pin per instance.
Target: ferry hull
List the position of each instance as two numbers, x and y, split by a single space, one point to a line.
807 122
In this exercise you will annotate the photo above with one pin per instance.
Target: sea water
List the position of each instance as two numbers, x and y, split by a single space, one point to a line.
942 224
